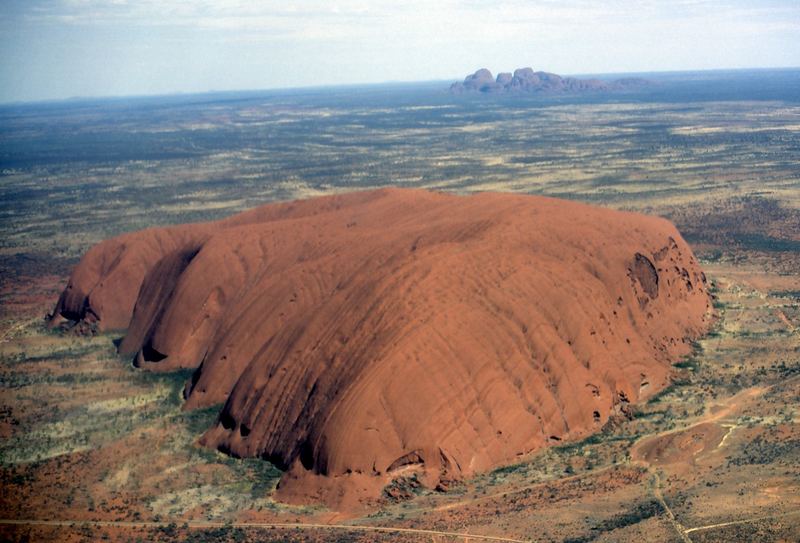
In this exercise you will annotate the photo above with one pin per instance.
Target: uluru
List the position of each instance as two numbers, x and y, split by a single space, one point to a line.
361 337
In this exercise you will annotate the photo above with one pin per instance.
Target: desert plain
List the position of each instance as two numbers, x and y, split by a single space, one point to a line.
95 448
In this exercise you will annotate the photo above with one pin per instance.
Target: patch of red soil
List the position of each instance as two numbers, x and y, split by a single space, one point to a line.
681 446
354 336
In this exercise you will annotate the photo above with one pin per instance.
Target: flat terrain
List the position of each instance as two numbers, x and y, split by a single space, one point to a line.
92 448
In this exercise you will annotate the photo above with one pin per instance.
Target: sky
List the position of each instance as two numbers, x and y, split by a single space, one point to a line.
53 49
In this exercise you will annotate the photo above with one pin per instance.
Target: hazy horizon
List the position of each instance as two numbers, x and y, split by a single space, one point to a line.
62 49
656 75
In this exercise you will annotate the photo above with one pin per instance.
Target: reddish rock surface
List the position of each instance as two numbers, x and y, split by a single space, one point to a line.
362 337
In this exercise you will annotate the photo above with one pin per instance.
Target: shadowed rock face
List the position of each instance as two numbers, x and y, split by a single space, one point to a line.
356 337
527 81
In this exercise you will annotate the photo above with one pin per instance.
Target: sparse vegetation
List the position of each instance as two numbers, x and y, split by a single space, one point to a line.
85 435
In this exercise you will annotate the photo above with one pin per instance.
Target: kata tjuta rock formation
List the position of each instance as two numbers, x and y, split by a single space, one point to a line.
525 80
362 337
